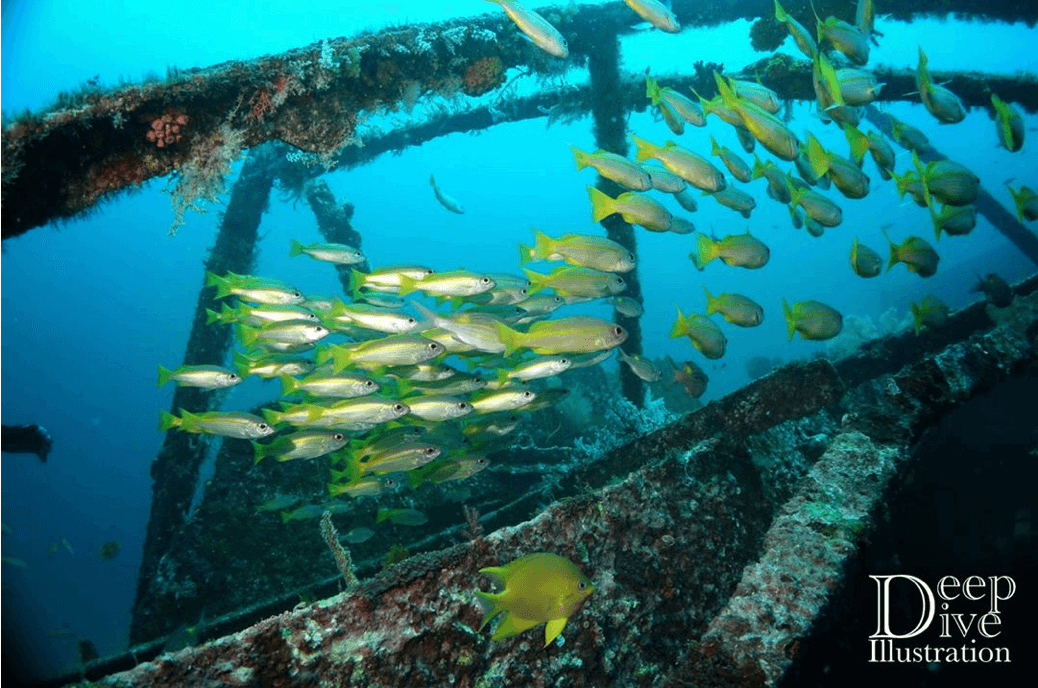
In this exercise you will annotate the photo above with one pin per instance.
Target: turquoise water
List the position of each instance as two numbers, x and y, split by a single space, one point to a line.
91 307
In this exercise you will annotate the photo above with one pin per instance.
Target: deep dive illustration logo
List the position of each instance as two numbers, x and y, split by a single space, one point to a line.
965 616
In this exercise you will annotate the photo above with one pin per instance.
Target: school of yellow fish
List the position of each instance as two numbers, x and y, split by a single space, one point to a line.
383 404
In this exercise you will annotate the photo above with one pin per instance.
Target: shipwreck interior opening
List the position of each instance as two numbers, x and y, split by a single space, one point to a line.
822 466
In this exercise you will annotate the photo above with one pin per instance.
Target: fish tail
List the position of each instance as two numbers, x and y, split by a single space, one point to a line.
164 375
542 245
780 14
259 452
407 285
527 254
704 252
537 281
680 327
816 156
211 316
1019 200
247 334
652 89
917 317
356 282
581 158
512 339
791 323
242 364
711 302
168 421
273 417
222 285
602 206
382 515
727 94
714 148
295 249
289 385
644 148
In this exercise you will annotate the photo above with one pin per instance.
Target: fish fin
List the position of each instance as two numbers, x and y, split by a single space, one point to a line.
542 245
168 421
165 375
581 158
680 327
356 282
601 204
791 325
553 629
407 285
259 452
295 249
222 285
711 302
917 317
513 625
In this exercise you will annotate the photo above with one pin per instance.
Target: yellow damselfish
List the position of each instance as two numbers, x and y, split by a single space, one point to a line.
538 588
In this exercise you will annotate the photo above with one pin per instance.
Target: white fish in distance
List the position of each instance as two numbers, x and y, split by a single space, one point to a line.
536 28
445 200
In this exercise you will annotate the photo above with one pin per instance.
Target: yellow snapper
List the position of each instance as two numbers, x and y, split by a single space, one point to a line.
818 207
664 180
396 349
576 334
535 369
777 188
619 169
235 424
656 13
736 165
704 334
272 365
634 208
801 36
341 386
768 129
685 107
858 87
538 588
948 181
580 250
402 517
846 38
942 103
864 261
845 175
693 168
931 311
736 199
917 255
646 370
953 220
1026 202
758 94
536 28
445 200
741 250
574 281
330 253
388 320
507 399
812 319
882 153
201 376
254 289
386 280
304 444
287 332
450 283
735 308
1009 123
438 407
358 413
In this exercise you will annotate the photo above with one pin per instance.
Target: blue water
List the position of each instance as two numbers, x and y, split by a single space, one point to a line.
92 307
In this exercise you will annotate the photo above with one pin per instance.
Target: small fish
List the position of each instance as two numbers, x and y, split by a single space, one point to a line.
538 588
656 13
619 169
109 550
686 200
858 87
882 153
14 561
450 283
953 220
948 181
768 129
357 535
580 250
812 319
1026 202
401 517
736 199
846 38
278 502
272 365
304 513
818 207
573 281
254 289
664 180
689 110
1009 123
634 208
507 399
625 305
235 424
577 334
348 414
735 308
705 335
303 444
692 379
996 289
387 320
646 370
536 28
445 200
741 250
931 311
908 136
801 36
68 546
942 103
693 168
536 369
864 261
778 188
447 470
288 332
917 255
438 407
201 376
846 176
736 165
393 350
757 93
385 280
362 487
340 254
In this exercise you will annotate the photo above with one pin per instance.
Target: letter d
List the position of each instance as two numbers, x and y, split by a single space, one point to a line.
883 606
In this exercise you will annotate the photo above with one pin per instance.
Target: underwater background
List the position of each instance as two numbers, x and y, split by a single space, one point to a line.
91 307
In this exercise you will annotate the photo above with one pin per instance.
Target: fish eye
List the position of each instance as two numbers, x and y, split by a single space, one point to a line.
484 280
582 586
619 280
232 376
481 462
462 405
564 361
630 257
369 383
311 316
398 407
338 436
618 331
296 293
411 321
264 426
527 395
430 450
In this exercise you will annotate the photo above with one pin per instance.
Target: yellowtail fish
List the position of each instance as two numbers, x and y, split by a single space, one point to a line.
818 207
1009 123
580 250
401 517
690 377
396 349
625 305
882 153
288 332
908 136
362 487
858 142
577 334
478 330
740 250
942 103
438 407
917 255
1026 202
358 535
846 176
768 129
370 317
858 87
826 86
735 308
619 169
201 376
777 188
449 469
812 319
704 334
948 181
386 280
931 312
259 315
686 200
402 458
304 444
995 288
536 28
953 220
656 13
445 200
278 502
357 413
235 424
801 36
688 109
693 168
255 289
535 369
633 208
736 199
736 165
865 18
664 180
646 370
340 254
864 261
538 588
573 281
845 37
508 290
271 365
450 283
507 399
758 94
